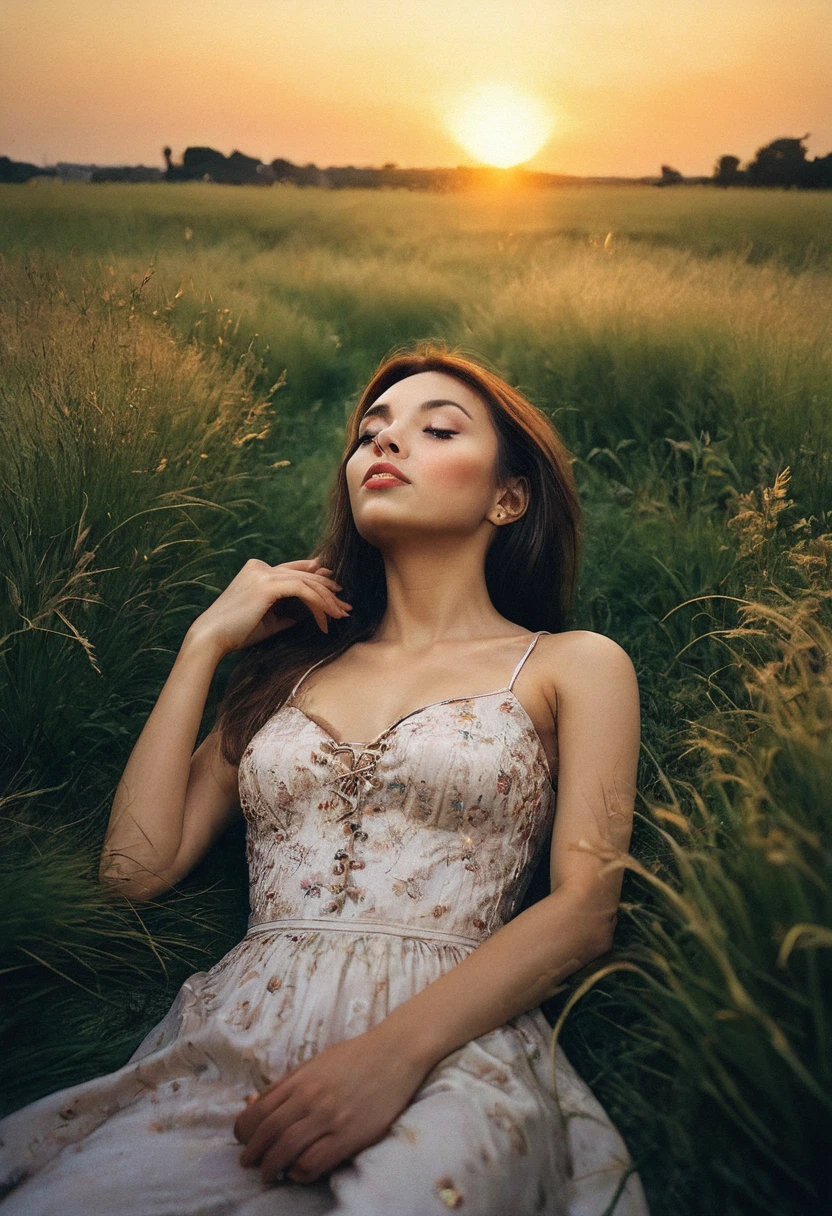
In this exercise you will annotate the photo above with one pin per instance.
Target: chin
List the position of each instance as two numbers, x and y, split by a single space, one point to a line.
378 532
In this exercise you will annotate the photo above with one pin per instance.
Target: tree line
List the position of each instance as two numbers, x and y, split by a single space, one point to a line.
784 163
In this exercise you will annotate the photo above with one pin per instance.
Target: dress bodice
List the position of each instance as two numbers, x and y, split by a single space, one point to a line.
437 823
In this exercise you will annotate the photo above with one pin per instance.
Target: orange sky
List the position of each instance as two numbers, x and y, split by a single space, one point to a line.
632 83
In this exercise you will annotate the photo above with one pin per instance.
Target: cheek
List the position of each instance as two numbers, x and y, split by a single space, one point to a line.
353 473
459 471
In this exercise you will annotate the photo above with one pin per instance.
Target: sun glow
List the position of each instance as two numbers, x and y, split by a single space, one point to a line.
501 126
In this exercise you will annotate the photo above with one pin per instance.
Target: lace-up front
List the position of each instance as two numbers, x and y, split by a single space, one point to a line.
447 807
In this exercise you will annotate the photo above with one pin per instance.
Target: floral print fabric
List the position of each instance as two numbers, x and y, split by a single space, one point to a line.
374 869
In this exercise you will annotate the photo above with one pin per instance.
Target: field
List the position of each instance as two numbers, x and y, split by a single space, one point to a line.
176 366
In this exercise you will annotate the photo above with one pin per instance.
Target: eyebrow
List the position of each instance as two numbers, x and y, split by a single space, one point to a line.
383 409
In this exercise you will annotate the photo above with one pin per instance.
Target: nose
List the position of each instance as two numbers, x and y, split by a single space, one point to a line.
382 441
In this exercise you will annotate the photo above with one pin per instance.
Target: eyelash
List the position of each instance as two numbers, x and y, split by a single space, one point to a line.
432 430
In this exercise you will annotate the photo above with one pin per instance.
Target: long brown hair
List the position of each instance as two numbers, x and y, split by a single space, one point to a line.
531 566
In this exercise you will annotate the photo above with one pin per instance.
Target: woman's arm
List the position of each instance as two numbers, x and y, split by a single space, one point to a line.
523 963
170 804
145 829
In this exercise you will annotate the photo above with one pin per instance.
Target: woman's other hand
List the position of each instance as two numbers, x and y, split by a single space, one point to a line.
249 610
327 1109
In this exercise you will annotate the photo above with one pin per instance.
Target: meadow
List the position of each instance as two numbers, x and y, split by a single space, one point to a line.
176 366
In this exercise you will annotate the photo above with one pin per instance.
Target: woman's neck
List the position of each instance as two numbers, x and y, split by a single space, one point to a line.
436 591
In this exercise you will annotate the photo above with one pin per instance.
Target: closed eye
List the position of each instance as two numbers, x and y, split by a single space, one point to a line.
439 432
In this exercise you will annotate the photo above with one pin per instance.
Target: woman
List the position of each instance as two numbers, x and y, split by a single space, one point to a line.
406 707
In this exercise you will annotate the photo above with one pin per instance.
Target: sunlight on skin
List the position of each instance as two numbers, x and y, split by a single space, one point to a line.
500 125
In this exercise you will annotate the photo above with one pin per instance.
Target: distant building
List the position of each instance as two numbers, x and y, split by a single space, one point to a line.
127 173
69 172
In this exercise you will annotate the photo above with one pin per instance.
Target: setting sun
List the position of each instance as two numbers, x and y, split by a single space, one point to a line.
500 125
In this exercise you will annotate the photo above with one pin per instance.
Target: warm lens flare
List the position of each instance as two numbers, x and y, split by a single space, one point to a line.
500 125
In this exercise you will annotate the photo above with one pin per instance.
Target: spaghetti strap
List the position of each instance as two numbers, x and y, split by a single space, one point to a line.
529 649
308 671
508 687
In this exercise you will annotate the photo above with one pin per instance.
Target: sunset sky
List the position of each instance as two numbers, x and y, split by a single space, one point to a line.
627 84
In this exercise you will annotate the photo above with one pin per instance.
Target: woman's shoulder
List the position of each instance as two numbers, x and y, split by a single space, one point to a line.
581 641
577 652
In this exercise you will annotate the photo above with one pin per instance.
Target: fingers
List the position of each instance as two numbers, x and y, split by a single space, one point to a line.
311 578
264 1104
282 1154
322 580
322 1156
292 1139
316 592
309 568
328 593
320 601
283 1135
305 563
317 606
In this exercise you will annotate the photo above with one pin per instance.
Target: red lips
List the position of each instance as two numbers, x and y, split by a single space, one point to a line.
382 466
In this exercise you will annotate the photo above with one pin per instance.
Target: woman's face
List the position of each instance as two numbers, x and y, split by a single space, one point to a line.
438 435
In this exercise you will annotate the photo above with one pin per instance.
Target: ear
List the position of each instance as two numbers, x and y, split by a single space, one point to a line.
511 502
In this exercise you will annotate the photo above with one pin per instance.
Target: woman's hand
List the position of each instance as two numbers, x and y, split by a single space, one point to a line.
328 1108
249 610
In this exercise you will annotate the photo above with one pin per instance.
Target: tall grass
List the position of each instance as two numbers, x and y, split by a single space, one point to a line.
177 365
125 482
719 1004
791 228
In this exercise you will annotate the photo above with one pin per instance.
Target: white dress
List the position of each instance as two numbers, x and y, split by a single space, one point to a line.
374 868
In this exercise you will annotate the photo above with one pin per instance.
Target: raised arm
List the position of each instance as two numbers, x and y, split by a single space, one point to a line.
172 802
166 784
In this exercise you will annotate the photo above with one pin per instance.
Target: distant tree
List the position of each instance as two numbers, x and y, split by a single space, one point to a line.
817 175
780 163
202 163
209 165
21 170
727 171
284 170
197 155
670 176
309 174
241 170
